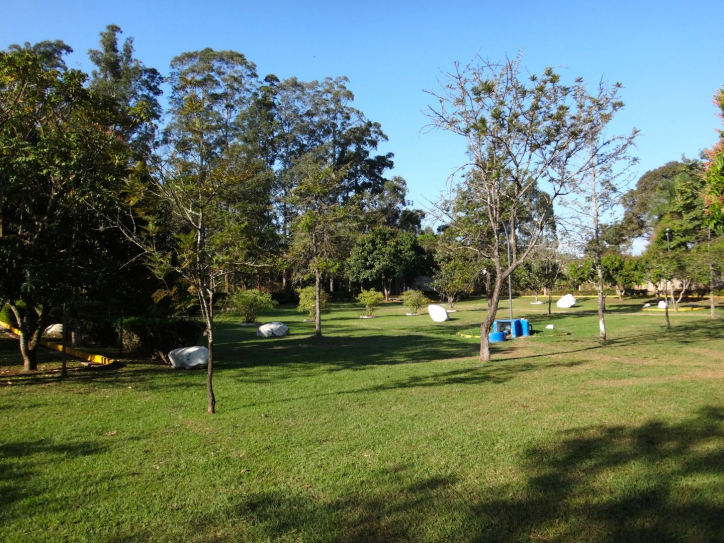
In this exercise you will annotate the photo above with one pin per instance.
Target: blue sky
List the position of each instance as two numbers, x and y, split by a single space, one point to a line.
668 56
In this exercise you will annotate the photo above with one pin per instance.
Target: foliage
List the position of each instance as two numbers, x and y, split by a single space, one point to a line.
308 301
455 276
541 272
322 227
61 159
623 272
643 205
370 299
249 303
132 86
157 337
714 177
383 255
580 272
196 198
522 132
414 300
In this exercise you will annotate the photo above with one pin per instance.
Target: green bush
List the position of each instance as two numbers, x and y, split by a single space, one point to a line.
370 299
7 316
249 303
414 300
308 301
156 337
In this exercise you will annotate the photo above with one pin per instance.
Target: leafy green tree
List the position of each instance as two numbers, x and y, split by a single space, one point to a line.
190 199
131 85
49 53
309 301
580 272
290 119
644 204
542 272
322 227
384 255
622 272
455 276
414 300
249 303
370 299
522 133
714 177
60 157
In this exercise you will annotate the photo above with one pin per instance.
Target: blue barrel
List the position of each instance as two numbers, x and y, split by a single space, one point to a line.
496 337
525 325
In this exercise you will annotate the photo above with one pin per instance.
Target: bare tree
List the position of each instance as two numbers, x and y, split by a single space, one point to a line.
526 143
596 194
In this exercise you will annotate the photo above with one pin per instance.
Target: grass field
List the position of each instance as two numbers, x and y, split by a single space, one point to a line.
387 429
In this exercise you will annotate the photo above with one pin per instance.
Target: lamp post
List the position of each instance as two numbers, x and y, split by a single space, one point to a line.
666 294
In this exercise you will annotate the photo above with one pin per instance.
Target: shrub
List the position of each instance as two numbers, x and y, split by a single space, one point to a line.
7 316
156 337
414 300
249 303
308 301
370 299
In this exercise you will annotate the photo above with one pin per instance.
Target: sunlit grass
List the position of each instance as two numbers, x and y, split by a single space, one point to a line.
385 429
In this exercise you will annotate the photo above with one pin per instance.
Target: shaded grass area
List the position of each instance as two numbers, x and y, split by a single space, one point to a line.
386 430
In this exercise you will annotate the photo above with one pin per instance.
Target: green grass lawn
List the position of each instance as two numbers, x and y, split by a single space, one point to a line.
387 429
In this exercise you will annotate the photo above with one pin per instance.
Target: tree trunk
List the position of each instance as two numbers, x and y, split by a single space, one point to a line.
488 321
536 295
666 305
64 367
712 305
331 284
684 287
317 304
601 302
211 399
550 300
29 354
386 289
31 326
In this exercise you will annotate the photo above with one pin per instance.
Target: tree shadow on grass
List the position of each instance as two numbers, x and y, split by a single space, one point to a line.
19 461
387 511
653 482
657 481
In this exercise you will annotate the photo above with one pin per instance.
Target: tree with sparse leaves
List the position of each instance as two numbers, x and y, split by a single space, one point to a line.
522 133
192 198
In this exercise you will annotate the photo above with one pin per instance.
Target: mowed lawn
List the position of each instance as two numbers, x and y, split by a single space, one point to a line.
386 429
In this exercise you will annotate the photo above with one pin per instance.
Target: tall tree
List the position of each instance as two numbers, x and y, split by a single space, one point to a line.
133 86
520 135
321 229
196 192
60 157
385 255
714 176
596 194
